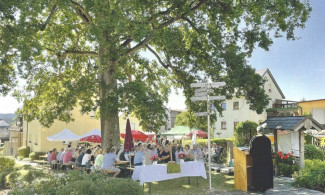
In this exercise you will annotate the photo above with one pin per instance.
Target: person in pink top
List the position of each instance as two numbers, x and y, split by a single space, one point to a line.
53 155
67 156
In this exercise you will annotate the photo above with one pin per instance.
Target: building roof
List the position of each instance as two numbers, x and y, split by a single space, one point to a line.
312 100
290 123
4 123
263 72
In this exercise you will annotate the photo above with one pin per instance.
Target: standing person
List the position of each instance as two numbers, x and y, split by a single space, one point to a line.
49 156
262 169
109 160
139 156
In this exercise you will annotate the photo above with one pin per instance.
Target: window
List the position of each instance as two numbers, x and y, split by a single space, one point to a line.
223 106
235 124
223 125
236 105
132 126
92 114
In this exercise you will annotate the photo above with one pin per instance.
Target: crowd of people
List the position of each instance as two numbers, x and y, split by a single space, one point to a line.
144 153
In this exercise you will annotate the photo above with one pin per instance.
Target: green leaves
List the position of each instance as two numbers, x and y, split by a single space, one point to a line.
62 47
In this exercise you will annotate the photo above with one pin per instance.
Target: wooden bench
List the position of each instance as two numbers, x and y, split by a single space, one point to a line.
41 162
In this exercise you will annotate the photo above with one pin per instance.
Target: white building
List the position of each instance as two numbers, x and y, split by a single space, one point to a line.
237 109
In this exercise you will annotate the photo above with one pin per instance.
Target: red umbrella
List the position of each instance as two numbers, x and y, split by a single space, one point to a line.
92 138
128 140
198 133
137 135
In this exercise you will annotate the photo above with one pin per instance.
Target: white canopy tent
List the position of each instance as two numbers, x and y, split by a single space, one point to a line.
92 132
64 135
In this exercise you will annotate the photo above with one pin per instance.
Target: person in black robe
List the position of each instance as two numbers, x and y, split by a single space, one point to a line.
262 170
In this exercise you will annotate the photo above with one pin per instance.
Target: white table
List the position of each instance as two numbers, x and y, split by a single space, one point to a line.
151 173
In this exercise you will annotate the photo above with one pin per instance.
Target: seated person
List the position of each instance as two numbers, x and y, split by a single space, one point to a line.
109 160
165 155
196 153
139 155
99 159
86 159
80 157
67 157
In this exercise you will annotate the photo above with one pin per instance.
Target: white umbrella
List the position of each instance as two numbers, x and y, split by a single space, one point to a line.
64 135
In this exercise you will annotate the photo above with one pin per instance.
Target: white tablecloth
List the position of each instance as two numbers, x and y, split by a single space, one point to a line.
151 173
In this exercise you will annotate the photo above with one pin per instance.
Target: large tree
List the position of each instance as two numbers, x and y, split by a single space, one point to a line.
95 53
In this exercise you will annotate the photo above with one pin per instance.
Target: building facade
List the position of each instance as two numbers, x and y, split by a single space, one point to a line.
4 131
237 109
316 108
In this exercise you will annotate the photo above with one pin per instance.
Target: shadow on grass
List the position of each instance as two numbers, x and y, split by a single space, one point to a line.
220 183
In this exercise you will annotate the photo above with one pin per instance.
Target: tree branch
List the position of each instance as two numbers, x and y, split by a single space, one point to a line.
157 56
75 52
191 23
172 20
81 12
49 18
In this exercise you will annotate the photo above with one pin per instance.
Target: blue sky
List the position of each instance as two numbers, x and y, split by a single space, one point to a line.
297 66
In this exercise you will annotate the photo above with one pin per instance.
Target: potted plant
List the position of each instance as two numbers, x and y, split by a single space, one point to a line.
154 159
181 157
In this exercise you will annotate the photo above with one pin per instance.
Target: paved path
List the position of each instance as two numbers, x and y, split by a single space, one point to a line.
282 185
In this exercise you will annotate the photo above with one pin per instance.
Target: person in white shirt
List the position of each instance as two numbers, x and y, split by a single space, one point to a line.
86 159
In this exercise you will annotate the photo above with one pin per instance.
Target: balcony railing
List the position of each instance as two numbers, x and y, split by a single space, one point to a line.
283 108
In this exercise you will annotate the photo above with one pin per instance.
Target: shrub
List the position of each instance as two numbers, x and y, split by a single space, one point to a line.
287 170
312 152
24 151
35 155
312 176
221 142
75 182
6 163
1 151
23 175
3 175
244 131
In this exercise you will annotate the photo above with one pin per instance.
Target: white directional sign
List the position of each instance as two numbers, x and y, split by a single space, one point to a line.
205 98
195 99
201 94
222 97
199 84
200 90
201 114
217 84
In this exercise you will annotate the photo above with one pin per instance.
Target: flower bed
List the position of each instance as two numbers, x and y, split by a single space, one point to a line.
286 163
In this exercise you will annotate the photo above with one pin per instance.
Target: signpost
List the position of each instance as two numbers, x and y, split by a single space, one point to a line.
202 94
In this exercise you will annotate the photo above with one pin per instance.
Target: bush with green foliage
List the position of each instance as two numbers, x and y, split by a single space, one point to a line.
21 175
312 177
308 139
75 182
313 152
244 131
24 151
287 170
35 155
221 142
1 151
6 163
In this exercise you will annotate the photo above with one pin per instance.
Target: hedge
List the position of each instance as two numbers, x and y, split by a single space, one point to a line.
24 151
313 152
6 163
35 155
75 182
312 177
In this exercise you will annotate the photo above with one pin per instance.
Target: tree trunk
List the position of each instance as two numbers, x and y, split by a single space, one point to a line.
109 119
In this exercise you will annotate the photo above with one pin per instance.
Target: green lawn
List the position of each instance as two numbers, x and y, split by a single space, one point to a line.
220 182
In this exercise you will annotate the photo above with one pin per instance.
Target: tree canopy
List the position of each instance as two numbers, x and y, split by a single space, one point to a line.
95 53
244 131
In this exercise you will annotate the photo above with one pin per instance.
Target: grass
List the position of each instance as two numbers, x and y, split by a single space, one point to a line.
220 183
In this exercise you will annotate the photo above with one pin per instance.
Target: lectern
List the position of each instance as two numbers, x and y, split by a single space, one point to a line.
243 169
